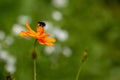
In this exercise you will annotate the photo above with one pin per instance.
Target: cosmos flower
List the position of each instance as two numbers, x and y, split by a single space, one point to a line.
40 34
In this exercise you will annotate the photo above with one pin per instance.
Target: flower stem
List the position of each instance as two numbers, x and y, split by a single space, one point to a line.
85 55
34 57
34 69
77 77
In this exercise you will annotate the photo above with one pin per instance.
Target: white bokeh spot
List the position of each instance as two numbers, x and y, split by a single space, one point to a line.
2 35
23 19
56 15
4 55
49 26
10 68
17 29
49 50
9 40
60 3
60 34
67 51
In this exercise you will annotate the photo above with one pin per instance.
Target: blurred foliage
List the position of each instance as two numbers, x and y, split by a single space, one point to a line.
93 25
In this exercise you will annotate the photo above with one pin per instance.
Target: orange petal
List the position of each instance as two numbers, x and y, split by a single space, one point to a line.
29 28
40 30
49 44
50 39
41 41
43 35
27 34
46 41
23 33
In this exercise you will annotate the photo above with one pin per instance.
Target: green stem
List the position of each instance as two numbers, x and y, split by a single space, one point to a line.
77 77
85 55
34 55
34 69
80 68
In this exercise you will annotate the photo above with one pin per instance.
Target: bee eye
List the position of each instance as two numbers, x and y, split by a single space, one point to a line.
41 24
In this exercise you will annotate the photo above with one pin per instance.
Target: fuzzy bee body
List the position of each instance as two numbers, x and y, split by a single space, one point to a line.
42 24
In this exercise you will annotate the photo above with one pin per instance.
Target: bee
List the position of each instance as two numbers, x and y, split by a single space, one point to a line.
42 24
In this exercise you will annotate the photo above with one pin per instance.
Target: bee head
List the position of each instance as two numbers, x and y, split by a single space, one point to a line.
42 24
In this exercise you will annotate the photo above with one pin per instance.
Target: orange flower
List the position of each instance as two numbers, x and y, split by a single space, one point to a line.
40 34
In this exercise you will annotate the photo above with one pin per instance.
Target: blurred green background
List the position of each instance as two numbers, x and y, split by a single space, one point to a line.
92 25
